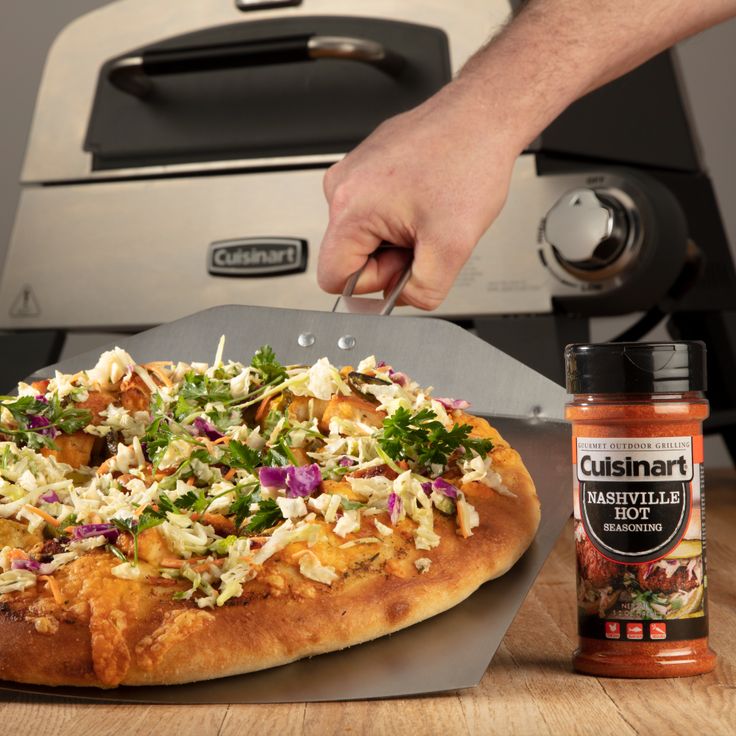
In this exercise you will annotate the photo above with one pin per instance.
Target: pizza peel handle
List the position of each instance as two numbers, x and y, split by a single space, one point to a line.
348 304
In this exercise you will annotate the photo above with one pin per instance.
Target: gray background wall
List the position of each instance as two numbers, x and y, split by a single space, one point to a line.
27 28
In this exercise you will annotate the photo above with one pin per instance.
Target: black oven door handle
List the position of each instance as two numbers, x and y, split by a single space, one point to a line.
134 74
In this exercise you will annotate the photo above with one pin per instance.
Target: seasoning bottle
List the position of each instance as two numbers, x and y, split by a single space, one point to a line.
637 412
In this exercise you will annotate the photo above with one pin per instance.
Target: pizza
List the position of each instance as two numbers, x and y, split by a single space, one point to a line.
168 522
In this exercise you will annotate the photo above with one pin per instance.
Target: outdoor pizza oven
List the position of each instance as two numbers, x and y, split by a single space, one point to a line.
177 151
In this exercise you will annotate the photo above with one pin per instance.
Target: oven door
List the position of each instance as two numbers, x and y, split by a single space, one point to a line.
266 89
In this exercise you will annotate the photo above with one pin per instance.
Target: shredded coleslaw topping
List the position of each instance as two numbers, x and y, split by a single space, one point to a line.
224 466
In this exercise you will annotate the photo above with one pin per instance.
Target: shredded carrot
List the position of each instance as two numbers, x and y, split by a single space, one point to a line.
230 473
156 370
96 519
172 563
191 480
46 517
17 554
262 408
53 586
221 440
104 467
140 510
69 529
165 582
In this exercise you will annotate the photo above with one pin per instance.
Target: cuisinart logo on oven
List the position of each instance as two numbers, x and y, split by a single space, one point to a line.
257 257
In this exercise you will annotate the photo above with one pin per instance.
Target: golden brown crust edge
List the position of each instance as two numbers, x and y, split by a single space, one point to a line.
177 643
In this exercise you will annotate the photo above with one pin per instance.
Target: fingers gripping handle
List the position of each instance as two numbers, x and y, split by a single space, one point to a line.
349 304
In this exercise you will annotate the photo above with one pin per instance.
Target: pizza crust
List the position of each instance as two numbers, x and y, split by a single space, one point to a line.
108 631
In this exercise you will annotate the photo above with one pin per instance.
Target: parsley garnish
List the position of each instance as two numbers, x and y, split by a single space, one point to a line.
239 455
240 507
116 551
19 407
36 420
264 361
156 439
280 454
423 440
268 515
160 433
68 420
194 501
134 527
200 390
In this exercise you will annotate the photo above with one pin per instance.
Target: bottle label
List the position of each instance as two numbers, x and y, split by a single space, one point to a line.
639 537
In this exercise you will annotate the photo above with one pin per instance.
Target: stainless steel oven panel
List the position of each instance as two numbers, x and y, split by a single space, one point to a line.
55 150
146 246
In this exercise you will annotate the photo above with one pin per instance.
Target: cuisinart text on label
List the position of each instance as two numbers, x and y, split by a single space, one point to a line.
622 460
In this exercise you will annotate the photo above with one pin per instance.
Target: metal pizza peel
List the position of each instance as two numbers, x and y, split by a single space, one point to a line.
452 650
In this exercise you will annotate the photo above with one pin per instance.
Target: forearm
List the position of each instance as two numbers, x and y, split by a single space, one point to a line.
555 51
434 178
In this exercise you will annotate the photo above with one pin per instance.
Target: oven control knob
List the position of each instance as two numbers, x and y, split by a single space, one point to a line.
588 232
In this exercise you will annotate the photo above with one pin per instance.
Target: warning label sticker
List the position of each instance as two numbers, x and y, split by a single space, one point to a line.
25 304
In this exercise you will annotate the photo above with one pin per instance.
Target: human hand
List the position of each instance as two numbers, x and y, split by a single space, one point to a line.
432 180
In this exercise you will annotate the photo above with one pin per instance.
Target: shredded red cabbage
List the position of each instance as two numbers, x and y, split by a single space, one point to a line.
31 565
42 424
302 480
50 497
272 477
442 486
453 403
346 462
395 507
397 377
299 480
203 428
85 531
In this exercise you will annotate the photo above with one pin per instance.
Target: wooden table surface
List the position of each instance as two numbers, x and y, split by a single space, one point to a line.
528 689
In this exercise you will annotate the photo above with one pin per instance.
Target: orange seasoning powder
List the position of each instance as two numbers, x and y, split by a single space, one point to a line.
637 414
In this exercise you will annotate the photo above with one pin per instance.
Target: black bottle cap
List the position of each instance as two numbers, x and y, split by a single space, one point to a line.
635 367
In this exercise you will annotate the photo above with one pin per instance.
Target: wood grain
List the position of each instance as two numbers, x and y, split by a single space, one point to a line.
528 689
